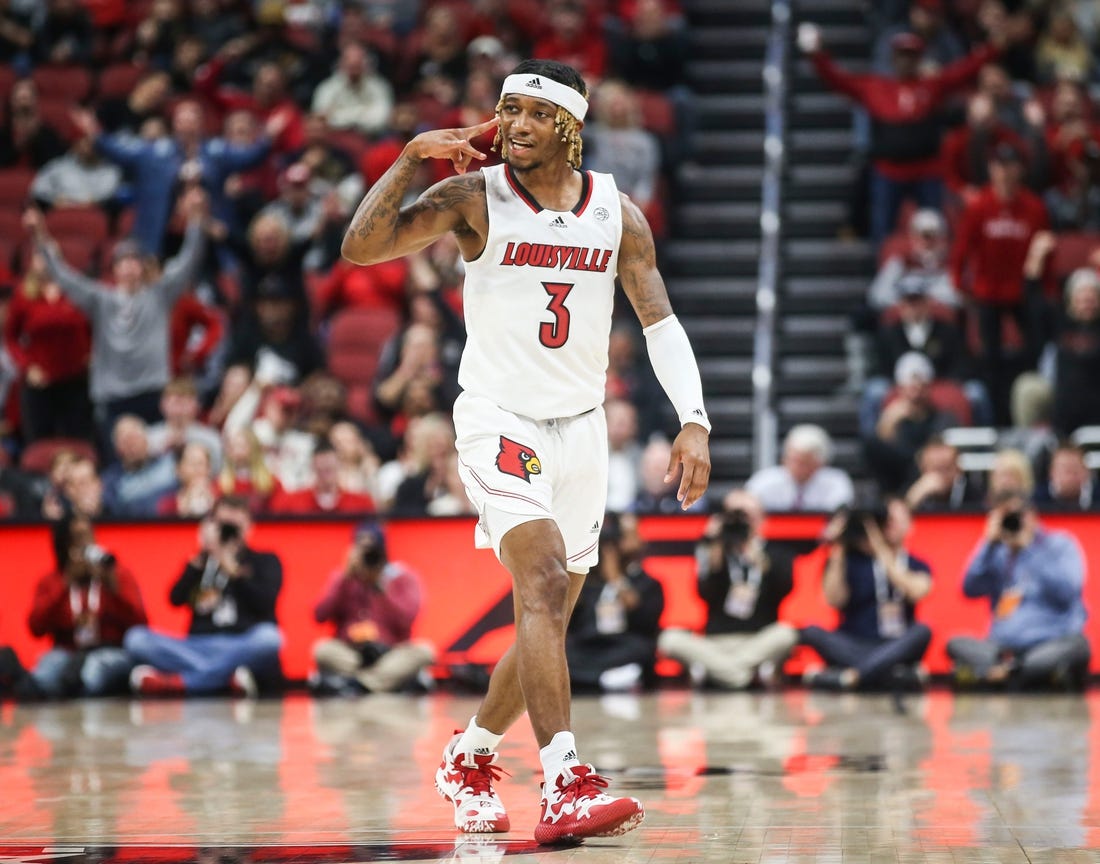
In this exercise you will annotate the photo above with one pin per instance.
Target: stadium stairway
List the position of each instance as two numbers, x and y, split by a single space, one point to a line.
711 264
823 277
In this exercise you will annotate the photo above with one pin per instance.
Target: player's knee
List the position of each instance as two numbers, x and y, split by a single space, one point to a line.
543 588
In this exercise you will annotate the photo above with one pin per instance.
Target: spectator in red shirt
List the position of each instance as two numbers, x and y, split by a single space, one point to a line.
573 40
325 495
372 602
905 122
987 263
50 341
245 473
85 606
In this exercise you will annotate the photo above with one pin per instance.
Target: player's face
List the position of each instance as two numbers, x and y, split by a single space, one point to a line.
527 131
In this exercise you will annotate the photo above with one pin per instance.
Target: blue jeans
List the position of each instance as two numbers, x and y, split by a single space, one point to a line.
206 662
104 672
873 659
886 197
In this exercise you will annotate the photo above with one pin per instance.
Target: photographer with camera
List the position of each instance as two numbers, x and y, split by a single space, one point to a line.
85 606
874 582
1034 580
233 638
742 581
372 602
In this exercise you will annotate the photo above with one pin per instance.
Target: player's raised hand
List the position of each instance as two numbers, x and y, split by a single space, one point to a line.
453 144
690 449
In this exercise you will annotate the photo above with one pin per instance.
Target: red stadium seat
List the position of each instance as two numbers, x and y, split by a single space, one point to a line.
351 142
73 83
7 80
37 457
119 79
15 183
1072 252
11 226
355 342
57 112
89 223
78 252
658 115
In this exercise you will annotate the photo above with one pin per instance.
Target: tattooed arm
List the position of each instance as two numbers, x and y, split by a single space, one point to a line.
381 229
638 273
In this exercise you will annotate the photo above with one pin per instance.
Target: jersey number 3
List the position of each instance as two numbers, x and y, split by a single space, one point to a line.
553 334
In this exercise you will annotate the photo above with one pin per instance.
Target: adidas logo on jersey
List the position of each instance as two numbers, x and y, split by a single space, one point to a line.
534 84
558 223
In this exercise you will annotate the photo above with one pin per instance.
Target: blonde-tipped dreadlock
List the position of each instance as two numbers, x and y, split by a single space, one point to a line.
565 125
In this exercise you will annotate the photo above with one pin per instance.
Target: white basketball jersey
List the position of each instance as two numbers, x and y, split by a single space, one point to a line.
538 299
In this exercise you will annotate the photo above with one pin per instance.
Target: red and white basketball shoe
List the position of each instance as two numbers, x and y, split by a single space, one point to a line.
466 780
576 807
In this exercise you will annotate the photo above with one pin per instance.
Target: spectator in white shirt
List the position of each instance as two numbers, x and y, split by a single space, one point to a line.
625 454
804 480
355 96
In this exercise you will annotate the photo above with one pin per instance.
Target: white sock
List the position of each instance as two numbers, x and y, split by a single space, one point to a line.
560 753
477 740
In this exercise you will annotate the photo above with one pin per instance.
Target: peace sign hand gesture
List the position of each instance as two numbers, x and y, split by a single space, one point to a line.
453 144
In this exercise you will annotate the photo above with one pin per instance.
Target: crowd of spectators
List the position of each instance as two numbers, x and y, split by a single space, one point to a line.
976 127
175 180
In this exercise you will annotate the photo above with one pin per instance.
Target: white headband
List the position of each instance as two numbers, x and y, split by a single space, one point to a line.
541 87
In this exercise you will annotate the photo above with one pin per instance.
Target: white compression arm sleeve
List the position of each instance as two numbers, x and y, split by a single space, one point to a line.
674 363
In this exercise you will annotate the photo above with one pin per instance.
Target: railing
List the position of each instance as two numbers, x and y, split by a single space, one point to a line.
765 425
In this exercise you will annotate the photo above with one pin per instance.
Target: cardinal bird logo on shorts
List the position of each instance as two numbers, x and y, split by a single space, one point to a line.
517 459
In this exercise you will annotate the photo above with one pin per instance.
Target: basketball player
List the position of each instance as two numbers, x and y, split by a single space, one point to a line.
543 243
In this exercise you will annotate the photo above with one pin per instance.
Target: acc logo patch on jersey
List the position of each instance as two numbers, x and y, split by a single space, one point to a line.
517 459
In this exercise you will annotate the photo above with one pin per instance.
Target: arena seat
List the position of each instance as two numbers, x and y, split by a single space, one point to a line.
36 458
7 80
72 83
78 252
1072 251
356 338
119 79
11 225
15 183
56 111
89 223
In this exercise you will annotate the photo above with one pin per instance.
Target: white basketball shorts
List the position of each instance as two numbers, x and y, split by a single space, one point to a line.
516 469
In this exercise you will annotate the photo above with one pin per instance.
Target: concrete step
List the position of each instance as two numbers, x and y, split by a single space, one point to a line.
715 219
700 296
712 257
726 376
720 336
730 111
696 182
814 294
723 75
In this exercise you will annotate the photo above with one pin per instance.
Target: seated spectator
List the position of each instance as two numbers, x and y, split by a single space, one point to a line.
129 320
874 582
233 640
78 178
83 489
26 139
568 39
244 473
617 144
426 434
355 96
85 607
276 335
742 580
942 485
1011 473
1076 340
906 424
312 211
134 485
324 495
625 454
658 488
49 340
66 34
333 167
991 246
924 255
429 476
918 329
804 480
1069 485
434 55
196 492
611 642
373 603
630 377
359 463
179 406
274 415
1033 578
1062 53
1073 141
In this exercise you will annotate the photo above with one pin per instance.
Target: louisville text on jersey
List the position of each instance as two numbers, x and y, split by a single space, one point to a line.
554 257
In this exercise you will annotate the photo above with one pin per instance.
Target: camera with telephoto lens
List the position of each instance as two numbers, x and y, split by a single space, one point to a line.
97 556
228 532
855 529
1012 522
736 528
370 555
